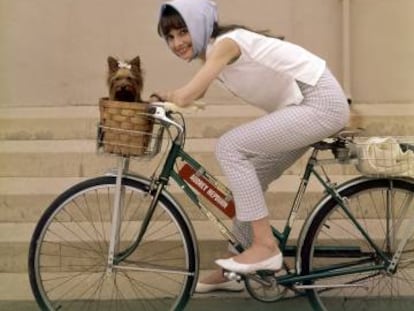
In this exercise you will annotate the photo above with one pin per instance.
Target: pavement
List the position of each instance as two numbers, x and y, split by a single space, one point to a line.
244 304
201 304
230 303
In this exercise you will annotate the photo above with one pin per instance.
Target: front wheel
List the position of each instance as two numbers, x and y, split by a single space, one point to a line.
68 256
384 208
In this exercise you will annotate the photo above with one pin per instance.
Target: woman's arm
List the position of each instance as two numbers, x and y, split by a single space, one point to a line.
223 53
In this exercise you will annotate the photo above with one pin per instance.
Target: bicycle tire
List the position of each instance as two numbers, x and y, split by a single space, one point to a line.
376 290
69 250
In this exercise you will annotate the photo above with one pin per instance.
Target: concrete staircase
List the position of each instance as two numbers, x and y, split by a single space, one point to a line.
44 150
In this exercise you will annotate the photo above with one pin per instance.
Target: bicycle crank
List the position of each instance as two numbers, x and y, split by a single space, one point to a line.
234 276
261 286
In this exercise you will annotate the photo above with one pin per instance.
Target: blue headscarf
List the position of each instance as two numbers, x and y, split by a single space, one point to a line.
199 16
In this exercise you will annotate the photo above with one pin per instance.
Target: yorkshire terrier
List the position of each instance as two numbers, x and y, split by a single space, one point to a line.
125 79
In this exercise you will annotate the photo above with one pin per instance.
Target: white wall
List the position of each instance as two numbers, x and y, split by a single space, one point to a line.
53 52
383 50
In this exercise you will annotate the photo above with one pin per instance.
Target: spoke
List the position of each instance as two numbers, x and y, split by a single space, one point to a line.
387 215
70 266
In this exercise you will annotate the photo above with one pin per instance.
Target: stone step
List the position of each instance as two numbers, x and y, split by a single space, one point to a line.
25 199
23 202
17 295
79 122
383 119
17 289
79 158
76 122
75 158
15 239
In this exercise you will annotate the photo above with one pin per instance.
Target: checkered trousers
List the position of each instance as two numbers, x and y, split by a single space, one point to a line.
257 153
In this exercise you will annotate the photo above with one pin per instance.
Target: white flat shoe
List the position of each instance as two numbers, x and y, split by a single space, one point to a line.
273 263
230 286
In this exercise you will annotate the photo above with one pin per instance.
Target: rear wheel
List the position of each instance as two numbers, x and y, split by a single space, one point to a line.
69 250
385 210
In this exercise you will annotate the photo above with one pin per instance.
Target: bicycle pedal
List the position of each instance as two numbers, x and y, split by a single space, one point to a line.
232 276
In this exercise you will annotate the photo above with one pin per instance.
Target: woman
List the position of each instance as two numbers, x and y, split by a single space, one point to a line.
303 101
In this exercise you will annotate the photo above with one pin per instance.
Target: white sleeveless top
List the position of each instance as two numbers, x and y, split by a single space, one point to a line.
266 72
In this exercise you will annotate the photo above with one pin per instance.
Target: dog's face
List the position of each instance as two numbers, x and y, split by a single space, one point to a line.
125 79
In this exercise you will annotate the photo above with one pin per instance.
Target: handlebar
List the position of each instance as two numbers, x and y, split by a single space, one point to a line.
163 110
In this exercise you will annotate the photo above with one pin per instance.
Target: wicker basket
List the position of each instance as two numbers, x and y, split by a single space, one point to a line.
125 128
385 156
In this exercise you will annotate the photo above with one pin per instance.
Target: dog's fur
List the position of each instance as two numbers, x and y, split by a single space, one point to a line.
125 79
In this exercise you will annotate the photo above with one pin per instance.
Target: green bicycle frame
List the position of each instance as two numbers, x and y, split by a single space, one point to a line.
176 152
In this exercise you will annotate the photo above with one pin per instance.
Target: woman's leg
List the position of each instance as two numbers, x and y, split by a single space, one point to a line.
267 171
242 151
263 245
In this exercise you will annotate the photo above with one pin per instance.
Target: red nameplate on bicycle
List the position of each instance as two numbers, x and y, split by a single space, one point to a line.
210 192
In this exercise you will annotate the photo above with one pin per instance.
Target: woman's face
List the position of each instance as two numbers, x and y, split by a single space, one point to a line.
179 41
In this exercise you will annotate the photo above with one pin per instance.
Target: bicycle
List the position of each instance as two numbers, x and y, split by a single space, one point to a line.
122 241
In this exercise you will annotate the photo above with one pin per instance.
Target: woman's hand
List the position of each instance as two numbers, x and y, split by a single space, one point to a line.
170 96
156 97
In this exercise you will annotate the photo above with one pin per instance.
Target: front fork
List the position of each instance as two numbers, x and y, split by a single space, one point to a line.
115 256
123 164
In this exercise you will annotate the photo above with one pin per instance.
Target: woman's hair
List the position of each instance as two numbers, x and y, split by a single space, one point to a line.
171 19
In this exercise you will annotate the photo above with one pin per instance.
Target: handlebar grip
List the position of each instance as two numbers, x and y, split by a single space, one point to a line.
172 107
